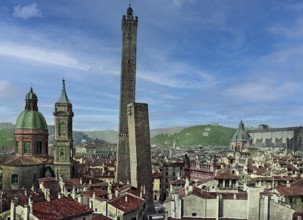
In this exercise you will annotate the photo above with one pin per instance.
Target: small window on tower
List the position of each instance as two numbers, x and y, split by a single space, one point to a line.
128 61
62 129
61 153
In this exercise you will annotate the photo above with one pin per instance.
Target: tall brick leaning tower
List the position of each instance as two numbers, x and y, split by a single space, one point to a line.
127 92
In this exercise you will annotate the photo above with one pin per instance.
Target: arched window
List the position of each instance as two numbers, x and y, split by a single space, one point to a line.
27 147
15 178
62 128
39 147
1 178
17 146
61 153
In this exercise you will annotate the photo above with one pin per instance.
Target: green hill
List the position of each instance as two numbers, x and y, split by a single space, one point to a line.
204 135
7 134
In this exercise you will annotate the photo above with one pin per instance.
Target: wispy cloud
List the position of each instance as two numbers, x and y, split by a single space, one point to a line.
178 3
27 11
95 108
43 55
291 31
261 91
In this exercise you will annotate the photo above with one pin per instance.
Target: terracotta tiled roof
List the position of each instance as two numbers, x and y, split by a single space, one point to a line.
132 190
23 195
227 176
157 175
202 194
60 209
100 217
71 183
98 193
173 164
126 203
298 183
47 179
53 187
177 182
291 167
256 170
99 161
290 191
276 178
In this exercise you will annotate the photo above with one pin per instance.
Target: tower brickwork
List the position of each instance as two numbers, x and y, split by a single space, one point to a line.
127 91
140 152
63 136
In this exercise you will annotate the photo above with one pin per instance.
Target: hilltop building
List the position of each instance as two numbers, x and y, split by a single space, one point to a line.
240 139
290 138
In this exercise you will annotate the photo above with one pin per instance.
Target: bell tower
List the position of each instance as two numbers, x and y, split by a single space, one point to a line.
127 91
63 136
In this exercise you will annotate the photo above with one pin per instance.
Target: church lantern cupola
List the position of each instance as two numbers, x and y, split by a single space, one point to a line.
31 131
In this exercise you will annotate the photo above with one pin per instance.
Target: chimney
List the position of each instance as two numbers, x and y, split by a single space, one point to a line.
90 182
60 195
109 187
116 193
110 195
47 195
74 193
144 190
186 191
235 196
127 182
26 212
30 203
81 181
186 182
190 188
13 209
94 195
141 193
126 198
80 198
33 187
25 192
196 182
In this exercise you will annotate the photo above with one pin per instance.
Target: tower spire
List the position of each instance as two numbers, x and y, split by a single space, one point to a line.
63 97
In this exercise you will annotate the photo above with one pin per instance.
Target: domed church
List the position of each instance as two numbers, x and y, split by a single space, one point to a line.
31 160
240 139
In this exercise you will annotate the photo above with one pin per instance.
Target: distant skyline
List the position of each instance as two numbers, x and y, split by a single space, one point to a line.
198 62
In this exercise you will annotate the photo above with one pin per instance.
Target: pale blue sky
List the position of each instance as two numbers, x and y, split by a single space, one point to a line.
198 61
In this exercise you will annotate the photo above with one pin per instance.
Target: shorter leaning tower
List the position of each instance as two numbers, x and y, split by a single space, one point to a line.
63 136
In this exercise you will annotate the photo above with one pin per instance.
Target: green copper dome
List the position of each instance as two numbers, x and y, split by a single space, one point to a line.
31 95
31 119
